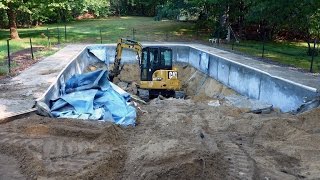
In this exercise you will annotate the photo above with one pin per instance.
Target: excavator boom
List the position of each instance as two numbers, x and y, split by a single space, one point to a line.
121 44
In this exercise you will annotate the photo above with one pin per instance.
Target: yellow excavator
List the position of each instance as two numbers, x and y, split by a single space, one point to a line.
157 76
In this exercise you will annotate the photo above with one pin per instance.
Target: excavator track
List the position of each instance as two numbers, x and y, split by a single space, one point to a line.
240 165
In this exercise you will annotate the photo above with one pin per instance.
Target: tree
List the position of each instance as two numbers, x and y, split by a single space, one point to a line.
116 7
100 8
3 19
11 7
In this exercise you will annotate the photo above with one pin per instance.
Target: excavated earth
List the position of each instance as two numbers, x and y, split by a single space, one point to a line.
173 139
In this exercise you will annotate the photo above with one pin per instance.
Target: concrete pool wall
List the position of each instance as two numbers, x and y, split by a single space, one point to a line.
250 81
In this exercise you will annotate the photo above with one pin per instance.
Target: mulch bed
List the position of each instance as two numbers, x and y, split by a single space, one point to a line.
22 60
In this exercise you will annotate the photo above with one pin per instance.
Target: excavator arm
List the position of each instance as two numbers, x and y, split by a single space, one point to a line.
121 44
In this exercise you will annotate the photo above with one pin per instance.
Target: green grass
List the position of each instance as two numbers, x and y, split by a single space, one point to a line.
88 31
146 29
289 53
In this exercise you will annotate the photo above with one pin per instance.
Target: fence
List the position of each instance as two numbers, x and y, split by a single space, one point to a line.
48 39
283 54
54 37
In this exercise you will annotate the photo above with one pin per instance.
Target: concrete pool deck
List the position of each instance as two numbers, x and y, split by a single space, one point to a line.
21 91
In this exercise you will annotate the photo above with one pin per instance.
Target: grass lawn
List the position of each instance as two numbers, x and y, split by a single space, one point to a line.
88 31
146 29
289 53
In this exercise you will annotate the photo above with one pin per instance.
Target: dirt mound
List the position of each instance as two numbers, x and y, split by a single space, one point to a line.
310 121
64 149
200 86
173 139
130 73
283 146
168 145
58 148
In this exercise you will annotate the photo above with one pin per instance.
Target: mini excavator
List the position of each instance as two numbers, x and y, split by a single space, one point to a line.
157 76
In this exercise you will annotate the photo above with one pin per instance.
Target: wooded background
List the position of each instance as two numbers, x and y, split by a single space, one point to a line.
250 19
283 31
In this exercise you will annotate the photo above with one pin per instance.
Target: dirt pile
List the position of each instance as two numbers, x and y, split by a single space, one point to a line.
172 145
173 139
59 148
159 147
200 86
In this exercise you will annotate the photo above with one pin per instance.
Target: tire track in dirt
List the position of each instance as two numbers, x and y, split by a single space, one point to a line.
241 166
9 168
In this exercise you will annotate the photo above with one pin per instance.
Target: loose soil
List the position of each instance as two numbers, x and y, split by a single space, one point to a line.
173 139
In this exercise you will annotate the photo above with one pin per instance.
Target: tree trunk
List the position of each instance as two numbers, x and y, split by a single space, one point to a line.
309 48
241 18
308 39
142 12
12 22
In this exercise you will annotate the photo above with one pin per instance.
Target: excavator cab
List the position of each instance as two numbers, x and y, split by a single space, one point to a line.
155 58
